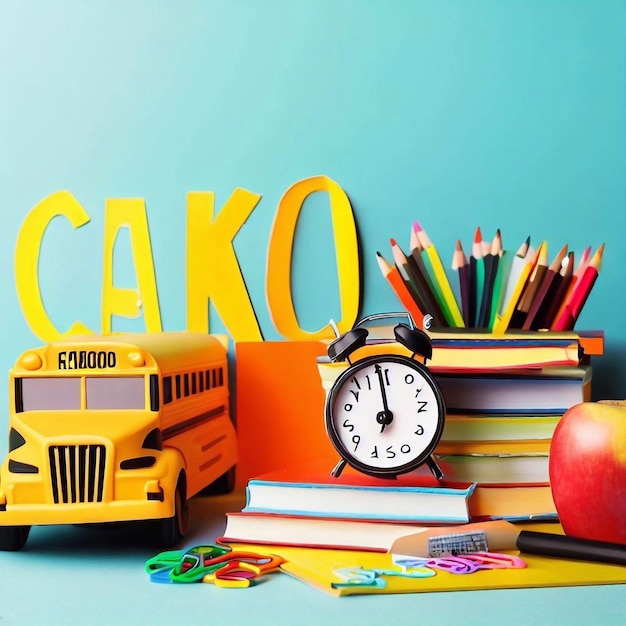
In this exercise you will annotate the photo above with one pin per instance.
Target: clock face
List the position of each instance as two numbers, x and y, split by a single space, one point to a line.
385 414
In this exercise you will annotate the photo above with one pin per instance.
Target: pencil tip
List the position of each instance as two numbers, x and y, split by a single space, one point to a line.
393 242
458 245
416 226
478 237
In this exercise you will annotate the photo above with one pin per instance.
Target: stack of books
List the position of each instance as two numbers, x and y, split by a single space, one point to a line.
501 413
305 506
504 397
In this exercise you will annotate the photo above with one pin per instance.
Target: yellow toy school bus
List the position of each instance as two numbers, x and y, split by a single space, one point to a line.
116 428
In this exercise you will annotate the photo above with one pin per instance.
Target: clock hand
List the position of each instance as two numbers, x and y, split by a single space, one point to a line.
384 417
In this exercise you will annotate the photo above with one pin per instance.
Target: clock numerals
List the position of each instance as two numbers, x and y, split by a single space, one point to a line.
385 416
390 453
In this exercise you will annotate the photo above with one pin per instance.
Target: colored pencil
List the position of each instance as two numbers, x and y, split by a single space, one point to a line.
580 293
521 257
491 259
504 268
422 276
477 275
567 271
444 292
533 284
412 282
460 264
545 293
582 264
392 274
503 320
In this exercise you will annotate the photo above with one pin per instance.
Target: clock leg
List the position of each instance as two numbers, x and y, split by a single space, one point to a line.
338 469
434 468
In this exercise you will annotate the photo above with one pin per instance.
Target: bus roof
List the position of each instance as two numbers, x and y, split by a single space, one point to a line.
167 348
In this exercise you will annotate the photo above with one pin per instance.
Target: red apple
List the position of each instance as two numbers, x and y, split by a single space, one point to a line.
588 471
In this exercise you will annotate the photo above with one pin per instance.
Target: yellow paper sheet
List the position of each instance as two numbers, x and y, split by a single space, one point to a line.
315 567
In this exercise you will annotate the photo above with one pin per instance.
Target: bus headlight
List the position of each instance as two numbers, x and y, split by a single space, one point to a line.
153 440
15 440
17 467
139 462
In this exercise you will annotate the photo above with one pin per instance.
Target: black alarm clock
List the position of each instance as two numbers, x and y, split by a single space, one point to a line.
385 413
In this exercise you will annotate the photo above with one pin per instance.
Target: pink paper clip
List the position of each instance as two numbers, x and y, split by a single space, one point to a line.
495 560
453 564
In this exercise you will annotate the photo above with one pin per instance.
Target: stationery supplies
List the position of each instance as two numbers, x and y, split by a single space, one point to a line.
476 351
314 532
393 276
460 264
498 469
547 391
439 278
315 568
499 428
477 276
531 287
562 546
491 261
498 291
580 293
496 536
545 293
214 564
416 497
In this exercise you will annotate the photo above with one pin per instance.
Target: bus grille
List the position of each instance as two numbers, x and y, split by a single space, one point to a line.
77 473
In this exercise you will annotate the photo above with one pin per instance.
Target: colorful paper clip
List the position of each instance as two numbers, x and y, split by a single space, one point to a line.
364 577
218 565
465 564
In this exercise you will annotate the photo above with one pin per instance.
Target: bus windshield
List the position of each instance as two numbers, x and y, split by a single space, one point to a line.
44 394
115 392
63 393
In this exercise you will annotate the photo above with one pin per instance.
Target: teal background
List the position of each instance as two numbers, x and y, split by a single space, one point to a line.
495 114
498 114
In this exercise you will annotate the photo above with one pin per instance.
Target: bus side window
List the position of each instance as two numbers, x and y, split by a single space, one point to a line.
167 389
154 392
201 381
178 394
208 379
214 377
186 384
194 389
220 377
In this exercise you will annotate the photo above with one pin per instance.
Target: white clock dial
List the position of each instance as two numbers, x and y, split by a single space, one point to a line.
385 414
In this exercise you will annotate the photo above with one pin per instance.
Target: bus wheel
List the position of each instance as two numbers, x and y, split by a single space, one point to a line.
13 538
171 529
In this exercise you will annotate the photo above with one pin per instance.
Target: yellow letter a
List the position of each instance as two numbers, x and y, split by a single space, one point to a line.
131 213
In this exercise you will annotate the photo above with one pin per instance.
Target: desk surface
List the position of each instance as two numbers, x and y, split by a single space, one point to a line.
67 575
